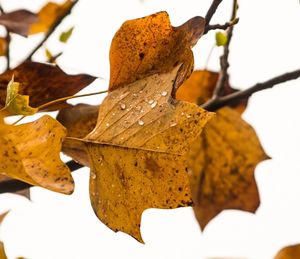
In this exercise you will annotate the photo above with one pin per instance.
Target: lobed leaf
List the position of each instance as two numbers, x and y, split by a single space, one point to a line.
223 162
138 151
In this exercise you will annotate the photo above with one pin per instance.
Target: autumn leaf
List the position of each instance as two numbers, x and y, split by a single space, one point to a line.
43 83
64 36
16 103
223 162
3 46
150 45
30 153
18 21
79 120
138 151
49 15
200 87
289 252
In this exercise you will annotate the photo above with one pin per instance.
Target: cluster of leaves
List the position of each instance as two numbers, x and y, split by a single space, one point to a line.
149 144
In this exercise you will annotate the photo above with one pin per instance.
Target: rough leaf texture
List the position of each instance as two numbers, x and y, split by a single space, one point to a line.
223 162
43 83
138 152
150 45
30 153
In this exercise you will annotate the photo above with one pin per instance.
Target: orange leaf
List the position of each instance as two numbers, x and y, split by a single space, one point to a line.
150 45
225 158
200 86
289 252
48 16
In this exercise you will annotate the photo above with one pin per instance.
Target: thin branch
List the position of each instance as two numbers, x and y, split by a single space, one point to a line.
223 75
7 38
73 165
211 11
215 104
224 26
51 30
13 186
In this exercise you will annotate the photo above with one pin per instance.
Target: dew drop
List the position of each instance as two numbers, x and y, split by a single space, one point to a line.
153 104
151 101
113 114
173 124
164 93
123 106
141 123
107 124
188 116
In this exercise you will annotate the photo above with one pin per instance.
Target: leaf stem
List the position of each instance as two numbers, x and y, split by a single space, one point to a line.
68 98
223 75
51 30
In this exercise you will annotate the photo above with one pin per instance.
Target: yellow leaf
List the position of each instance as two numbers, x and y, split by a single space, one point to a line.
2 252
223 162
289 252
30 153
138 152
149 45
15 103
48 15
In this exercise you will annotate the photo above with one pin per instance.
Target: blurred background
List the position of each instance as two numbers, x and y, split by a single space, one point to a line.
266 43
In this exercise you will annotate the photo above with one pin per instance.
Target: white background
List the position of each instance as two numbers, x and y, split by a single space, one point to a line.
266 43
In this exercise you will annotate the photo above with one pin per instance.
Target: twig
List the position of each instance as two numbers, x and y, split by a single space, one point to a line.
215 104
51 30
7 38
224 26
211 11
12 186
223 75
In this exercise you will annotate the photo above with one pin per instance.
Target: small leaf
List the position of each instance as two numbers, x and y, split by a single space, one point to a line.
15 103
64 36
221 38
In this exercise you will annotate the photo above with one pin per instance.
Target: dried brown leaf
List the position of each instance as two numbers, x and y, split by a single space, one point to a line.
18 21
43 83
